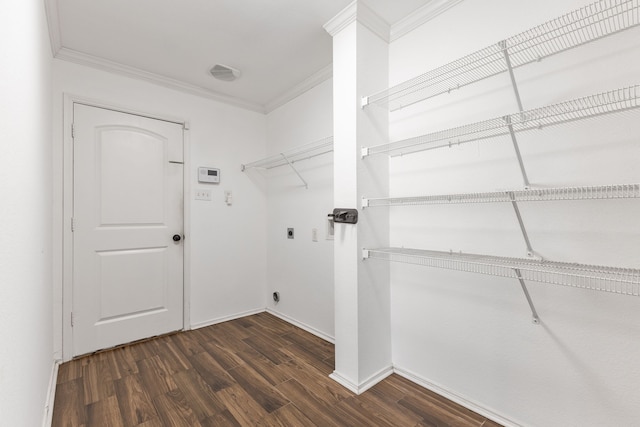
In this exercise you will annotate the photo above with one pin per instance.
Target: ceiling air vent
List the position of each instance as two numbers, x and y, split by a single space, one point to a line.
224 72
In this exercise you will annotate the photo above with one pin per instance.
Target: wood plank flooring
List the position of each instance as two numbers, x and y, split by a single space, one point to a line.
254 371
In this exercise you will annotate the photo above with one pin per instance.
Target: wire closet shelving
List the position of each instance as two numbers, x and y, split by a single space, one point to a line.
613 101
289 157
596 192
624 281
592 22
571 30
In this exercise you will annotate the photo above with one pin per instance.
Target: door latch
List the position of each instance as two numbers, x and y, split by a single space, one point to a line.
345 216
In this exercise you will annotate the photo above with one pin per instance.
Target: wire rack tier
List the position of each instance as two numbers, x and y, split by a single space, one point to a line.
613 101
600 192
624 281
589 23
297 154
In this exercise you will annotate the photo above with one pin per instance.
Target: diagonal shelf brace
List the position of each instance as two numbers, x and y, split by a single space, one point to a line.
507 59
527 242
514 140
514 84
534 313
295 170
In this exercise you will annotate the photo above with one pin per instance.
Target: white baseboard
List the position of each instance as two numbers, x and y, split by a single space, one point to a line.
301 325
226 318
51 395
346 383
364 385
444 392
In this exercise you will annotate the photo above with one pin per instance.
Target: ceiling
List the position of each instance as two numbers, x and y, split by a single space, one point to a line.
280 46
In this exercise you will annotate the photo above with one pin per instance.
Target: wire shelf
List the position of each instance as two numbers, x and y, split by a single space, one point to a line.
624 281
601 192
297 154
584 25
577 109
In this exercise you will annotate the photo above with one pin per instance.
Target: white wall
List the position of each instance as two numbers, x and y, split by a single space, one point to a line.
227 267
472 335
26 354
301 269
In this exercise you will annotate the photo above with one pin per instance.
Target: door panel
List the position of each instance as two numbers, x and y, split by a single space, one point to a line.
128 196
128 203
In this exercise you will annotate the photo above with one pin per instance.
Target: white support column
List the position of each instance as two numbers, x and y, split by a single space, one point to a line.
362 293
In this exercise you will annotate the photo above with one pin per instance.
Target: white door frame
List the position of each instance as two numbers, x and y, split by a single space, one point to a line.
63 237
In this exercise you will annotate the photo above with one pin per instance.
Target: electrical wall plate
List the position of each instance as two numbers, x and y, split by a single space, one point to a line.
345 216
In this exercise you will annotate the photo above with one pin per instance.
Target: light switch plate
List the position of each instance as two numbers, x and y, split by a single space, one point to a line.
203 194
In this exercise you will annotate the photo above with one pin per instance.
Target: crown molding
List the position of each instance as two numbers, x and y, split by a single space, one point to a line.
53 25
339 22
309 83
421 16
125 70
361 12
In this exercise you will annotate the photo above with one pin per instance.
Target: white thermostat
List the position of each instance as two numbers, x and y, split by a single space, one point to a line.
210 175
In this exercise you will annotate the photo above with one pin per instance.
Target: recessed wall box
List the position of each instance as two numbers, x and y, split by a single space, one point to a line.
209 175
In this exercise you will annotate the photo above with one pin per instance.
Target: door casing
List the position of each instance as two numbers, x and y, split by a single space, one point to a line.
63 212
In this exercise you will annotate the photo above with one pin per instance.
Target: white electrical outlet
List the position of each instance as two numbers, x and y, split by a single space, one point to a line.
202 194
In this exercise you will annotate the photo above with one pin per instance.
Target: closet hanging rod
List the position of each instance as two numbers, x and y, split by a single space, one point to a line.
577 109
600 192
624 281
303 152
581 26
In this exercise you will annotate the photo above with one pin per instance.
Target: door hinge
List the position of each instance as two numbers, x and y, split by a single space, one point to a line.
72 320
73 225
73 130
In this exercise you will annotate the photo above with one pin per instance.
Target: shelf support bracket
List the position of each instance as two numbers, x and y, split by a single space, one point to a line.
530 252
514 84
507 59
514 140
534 313
295 170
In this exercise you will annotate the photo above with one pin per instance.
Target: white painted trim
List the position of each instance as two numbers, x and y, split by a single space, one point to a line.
301 325
64 335
66 259
460 400
53 24
342 20
51 395
364 385
186 224
361 12
117 68
335 375
309 83
375 379
227 318
374 22
421 16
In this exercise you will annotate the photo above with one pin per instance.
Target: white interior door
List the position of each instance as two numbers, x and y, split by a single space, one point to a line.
128 209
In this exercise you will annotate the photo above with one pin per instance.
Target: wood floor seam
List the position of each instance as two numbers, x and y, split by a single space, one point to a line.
254 371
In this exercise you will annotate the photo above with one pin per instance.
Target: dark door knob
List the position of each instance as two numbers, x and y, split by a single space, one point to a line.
176 237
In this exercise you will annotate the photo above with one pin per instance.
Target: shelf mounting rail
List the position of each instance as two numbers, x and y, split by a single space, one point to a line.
576 28
292 156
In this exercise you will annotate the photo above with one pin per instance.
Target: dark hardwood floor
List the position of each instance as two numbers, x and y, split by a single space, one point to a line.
254 371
